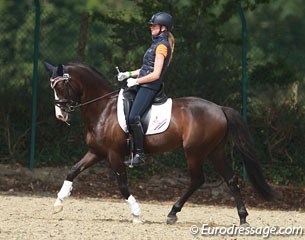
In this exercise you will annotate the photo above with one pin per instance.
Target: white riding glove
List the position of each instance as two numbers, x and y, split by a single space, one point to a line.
123 75
132 82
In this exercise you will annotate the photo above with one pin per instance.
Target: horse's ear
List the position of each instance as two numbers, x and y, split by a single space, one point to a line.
49 66
60 70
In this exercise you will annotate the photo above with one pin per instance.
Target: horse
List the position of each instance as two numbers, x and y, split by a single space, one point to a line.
202 128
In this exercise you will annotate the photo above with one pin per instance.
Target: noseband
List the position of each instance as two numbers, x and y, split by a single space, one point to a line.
69 105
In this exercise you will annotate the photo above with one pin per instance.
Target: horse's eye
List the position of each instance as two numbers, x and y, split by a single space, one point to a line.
60 89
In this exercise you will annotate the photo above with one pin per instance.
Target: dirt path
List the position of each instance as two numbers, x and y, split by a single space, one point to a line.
30 217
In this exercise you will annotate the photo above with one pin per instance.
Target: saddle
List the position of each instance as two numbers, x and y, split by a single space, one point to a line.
128 99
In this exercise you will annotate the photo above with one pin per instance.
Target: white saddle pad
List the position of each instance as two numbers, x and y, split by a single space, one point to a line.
159 120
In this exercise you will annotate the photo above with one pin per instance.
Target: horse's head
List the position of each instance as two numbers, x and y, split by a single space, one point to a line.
65 95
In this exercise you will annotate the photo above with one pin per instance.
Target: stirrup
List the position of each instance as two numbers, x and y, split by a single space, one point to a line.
138 160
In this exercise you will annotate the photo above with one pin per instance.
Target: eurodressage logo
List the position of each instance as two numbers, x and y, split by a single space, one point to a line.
234 230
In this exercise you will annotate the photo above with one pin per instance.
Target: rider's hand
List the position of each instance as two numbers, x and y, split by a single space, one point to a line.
132 82
123 75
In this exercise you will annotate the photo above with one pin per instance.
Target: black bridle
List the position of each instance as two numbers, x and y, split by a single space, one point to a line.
69 105
66 105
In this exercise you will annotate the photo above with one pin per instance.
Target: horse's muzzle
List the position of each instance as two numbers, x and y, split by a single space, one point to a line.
61 115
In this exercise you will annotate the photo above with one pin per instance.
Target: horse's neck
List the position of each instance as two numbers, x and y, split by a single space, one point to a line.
96 115
95 95
94 88
96 99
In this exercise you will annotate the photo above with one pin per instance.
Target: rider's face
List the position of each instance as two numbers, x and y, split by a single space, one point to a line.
155 29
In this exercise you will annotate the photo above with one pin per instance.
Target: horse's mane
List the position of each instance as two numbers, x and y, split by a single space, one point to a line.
95 72
90 68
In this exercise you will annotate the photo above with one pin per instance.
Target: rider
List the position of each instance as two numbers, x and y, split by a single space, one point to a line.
149 78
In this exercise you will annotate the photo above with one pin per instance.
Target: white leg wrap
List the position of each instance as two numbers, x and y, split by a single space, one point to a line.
65 190
134 206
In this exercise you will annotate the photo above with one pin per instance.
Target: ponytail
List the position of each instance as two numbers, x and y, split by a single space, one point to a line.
171 40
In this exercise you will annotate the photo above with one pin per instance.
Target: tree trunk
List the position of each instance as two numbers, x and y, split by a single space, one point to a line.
82 40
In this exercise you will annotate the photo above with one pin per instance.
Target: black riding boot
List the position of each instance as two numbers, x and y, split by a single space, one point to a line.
138 135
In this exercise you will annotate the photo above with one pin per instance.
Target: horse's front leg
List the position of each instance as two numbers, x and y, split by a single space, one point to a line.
117 165
88 160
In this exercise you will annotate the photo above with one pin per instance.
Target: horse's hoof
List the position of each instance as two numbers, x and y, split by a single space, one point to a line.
171 220
245 224
57 209
137 219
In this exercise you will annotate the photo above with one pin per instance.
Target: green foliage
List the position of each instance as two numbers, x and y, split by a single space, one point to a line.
174 159
278 117
63 145
284 174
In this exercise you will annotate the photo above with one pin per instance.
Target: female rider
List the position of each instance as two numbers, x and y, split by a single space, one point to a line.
149 78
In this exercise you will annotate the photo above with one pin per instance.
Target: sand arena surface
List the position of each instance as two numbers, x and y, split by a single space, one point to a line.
25 216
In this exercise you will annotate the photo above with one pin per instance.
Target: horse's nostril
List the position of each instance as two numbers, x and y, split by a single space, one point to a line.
61 117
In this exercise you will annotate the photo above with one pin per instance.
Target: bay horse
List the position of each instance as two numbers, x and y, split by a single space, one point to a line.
201 127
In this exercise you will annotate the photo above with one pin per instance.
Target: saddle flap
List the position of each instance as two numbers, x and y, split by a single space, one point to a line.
155 120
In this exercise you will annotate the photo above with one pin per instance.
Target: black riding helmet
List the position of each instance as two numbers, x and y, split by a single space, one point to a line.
162 18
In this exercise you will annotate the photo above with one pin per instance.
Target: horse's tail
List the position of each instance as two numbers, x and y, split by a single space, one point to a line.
239 134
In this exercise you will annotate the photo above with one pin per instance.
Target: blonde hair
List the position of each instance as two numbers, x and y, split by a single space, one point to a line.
171 40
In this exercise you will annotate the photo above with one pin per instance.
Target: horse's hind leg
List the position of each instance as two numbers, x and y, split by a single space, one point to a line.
222 166
197 179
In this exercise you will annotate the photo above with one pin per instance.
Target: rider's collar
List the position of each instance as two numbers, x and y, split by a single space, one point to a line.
159 37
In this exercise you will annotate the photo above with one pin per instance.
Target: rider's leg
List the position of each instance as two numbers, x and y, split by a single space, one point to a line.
138 137
141 103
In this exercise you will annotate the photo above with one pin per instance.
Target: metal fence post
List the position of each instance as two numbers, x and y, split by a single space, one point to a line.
244 70
34 85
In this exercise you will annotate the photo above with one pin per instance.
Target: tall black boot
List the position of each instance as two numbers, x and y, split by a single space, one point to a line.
138 136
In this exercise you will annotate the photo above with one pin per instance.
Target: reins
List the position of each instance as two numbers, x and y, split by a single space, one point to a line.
95 99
